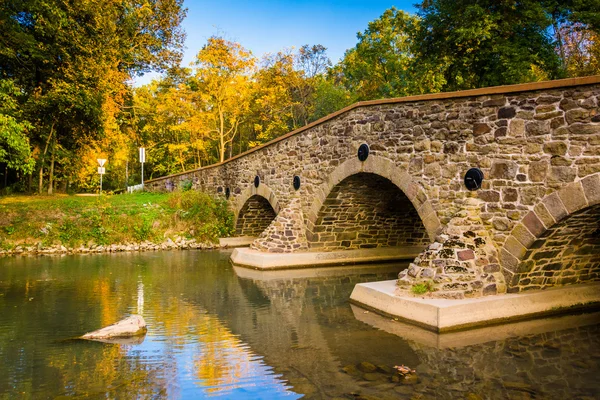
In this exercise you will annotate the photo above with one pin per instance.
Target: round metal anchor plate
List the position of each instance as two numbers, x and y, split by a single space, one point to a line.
473 179
296 182
363 152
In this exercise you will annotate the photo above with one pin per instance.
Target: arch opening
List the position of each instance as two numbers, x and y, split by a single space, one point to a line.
366 210
566 253
254 217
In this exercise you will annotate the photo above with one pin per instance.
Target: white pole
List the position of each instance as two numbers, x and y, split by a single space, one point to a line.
142 160
100 183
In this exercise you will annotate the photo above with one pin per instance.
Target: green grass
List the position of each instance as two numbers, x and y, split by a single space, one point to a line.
111 219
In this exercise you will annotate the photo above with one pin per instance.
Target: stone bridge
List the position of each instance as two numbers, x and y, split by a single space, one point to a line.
533 223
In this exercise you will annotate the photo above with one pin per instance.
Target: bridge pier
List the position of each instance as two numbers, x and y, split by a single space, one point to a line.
461 262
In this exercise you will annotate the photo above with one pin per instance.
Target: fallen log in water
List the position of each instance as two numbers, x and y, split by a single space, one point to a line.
131 326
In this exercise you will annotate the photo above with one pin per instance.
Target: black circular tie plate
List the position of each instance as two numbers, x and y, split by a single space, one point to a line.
296 182
256 181
473 179
363 152
227 193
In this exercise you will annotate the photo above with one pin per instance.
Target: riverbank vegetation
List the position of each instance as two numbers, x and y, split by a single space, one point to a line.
66 68
73 221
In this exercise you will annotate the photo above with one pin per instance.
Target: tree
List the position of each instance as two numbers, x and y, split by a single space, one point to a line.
383 64
222 83
71 60
15 151
486 42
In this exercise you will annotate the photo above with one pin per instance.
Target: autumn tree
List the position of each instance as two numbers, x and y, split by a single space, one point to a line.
222 84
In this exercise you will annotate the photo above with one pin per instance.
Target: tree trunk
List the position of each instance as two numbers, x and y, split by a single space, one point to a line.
41 183
559 39
42 158
51 176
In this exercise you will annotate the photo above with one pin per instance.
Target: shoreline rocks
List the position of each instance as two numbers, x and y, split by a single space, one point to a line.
59 249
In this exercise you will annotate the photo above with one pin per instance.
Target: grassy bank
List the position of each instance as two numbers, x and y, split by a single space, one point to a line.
74 221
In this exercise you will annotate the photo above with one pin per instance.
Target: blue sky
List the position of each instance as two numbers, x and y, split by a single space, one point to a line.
267 26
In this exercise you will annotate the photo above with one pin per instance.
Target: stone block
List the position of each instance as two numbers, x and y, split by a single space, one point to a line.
555 148
560 161
573 197
490 196
537 128
506 112
508 261
516 127
523 235
533 224
495 102
544 215
501 224
538 171
503 169
555 206
559 174
591 188
515 248
584 129
577 115
568 104
481 128
510 195
465 255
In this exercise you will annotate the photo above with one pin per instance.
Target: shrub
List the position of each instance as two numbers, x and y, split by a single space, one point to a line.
422 288
186 186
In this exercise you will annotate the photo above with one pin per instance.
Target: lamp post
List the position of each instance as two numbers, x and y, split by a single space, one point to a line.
101 170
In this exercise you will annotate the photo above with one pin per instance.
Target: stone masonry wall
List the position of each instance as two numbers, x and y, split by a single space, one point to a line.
529 141
569 252
254 217
367 211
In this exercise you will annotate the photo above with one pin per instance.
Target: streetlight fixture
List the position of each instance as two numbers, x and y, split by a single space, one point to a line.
101 170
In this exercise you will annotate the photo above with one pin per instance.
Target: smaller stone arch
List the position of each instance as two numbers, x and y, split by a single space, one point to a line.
385 169
254 209
529 256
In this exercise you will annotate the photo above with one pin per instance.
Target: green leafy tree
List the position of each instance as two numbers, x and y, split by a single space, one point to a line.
486 42
15 150
383 64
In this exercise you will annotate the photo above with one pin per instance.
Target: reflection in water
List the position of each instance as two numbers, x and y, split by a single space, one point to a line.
216 331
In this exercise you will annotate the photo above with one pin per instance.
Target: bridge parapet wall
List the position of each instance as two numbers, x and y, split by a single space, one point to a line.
529 141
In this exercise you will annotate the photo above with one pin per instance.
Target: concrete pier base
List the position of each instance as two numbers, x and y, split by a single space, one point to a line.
319 272
272 261
475 336
442 315
238 241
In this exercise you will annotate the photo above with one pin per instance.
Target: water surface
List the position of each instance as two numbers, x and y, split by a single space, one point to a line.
218 331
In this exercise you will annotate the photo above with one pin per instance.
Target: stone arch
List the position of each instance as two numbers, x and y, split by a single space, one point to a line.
552 243
254 210
382 168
